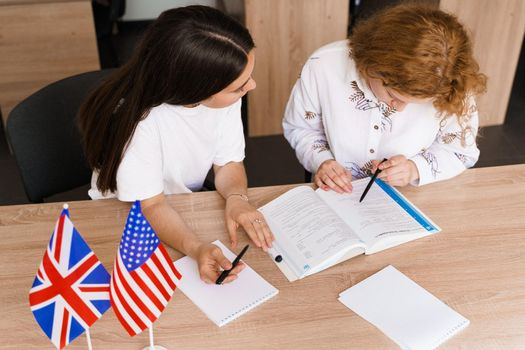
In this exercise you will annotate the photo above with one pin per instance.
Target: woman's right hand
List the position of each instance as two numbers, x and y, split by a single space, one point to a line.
333 175
211 262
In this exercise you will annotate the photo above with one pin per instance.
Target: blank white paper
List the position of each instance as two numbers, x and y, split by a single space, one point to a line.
403 310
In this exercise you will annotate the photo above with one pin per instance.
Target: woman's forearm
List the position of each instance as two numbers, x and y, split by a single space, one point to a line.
169 225
230 179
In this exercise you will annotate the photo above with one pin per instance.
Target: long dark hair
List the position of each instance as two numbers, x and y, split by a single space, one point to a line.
187 55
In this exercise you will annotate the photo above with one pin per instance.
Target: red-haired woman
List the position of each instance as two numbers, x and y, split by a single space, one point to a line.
402 87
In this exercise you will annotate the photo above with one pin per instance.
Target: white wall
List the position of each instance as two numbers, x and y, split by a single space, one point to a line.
137 10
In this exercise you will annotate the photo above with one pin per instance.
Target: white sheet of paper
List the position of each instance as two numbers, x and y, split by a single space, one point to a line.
403 310
223 303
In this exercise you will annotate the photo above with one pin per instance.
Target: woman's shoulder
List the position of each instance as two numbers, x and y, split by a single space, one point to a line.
333 49
152 118
327 55
331 61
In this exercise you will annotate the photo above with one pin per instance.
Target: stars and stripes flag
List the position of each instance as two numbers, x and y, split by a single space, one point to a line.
143 275
71 289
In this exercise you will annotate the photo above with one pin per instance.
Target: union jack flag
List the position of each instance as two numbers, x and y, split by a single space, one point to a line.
71 287
143 275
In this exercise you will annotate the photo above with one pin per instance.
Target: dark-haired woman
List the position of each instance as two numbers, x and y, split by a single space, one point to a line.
159 123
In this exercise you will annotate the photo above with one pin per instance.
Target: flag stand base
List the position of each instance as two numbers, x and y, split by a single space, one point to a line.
157 347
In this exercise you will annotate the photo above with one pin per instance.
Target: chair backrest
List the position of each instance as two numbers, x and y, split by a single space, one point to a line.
44 138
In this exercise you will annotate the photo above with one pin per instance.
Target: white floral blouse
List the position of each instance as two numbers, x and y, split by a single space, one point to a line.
332 114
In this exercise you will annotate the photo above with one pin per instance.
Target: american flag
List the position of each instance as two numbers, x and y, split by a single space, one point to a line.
71 288
143 275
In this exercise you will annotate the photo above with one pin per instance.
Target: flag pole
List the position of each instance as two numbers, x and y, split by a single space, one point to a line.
151 345
88 338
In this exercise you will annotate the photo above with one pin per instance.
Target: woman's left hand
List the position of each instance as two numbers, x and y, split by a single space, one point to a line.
397 170
240 212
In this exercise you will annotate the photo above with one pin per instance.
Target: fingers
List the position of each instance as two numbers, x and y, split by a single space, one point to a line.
209 271
240 266
212 263
332 184
333 175
253 223
400 179
375 163
259 232
393 161
319 183
257 229
232 226
234 273
341 178
263 232
220 259
396 171
248 226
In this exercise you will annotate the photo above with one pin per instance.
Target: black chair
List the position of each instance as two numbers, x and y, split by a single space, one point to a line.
44 138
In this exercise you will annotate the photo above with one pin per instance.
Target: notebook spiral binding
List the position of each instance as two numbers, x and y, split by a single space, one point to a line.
246 308
451 332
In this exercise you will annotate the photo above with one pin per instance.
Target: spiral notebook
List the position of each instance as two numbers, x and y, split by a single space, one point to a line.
403 310
223 303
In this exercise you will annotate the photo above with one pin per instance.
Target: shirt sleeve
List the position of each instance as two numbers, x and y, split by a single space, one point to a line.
303 125
453 150
230 143
140 175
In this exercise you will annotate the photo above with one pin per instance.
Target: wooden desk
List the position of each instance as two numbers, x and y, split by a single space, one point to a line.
476 265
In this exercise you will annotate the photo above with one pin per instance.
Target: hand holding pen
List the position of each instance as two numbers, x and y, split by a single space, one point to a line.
224 274
397 171
211 262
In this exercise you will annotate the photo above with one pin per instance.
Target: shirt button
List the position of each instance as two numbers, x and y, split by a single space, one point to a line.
376 127
372 150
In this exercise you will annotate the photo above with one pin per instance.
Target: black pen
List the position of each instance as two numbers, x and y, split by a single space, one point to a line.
371 182
235 262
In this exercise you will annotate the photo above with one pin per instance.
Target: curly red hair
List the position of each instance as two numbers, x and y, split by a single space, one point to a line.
420 51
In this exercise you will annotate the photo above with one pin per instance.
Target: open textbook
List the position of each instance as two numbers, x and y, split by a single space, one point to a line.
318 229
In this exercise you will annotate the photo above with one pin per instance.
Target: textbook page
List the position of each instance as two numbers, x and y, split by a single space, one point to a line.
383 219
223 303
407 313
307 232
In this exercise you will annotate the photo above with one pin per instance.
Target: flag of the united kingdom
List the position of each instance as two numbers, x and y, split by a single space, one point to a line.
71 288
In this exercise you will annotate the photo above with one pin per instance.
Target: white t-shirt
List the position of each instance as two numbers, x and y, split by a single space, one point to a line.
173 149
332 114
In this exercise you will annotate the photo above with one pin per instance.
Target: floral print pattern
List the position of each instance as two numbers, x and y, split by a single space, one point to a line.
309 115
359 172
320 146
463 158
362 103
431 161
